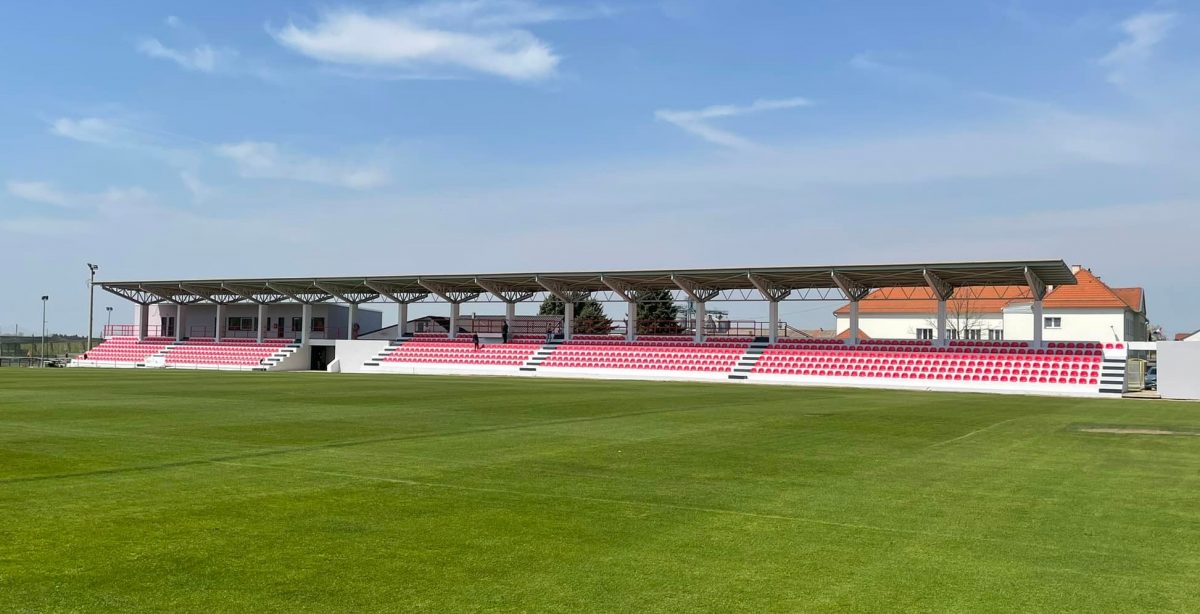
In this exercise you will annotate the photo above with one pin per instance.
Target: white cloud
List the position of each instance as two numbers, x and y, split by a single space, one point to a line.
479 36
87 129
201 58
1143 32
199 190
698 122
38 192
263 160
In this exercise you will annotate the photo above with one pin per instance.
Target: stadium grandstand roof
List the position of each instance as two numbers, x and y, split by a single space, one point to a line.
795 283
1088 292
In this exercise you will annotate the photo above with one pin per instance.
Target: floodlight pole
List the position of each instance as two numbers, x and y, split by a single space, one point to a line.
109 323
91 301
43 360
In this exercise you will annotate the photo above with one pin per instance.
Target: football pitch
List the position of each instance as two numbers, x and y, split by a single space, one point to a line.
205 492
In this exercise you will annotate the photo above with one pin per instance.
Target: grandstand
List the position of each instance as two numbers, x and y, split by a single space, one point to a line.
776 356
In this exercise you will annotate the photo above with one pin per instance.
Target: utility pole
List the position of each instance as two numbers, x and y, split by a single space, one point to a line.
91 302
44 299
109 310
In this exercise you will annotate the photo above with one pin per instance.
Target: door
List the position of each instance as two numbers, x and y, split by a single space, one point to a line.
168 326
279 327
320 357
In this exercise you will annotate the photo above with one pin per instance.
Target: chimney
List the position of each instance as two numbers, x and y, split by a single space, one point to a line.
1075 268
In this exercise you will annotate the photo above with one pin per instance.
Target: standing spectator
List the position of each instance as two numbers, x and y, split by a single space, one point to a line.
475 339
504 331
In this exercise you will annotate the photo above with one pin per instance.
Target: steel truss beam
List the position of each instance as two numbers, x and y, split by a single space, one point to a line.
258 294
135 295
695 290
853 290
347 294
454 296
768 290
1037 287
176 295
217 295
507 294
942 290
394 294
562 292
304 294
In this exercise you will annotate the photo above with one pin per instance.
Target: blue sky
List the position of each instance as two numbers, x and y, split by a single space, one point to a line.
222 139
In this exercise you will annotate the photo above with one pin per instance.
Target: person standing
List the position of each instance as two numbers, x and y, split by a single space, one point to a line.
475 339
504 331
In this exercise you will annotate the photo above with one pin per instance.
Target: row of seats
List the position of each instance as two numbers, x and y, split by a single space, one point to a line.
126 349
231 352
435 348
1022 377
710 356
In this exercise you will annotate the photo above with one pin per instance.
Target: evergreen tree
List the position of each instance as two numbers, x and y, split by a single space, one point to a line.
657 313
590 318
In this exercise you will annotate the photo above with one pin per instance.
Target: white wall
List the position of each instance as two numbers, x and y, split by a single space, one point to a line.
904 326
1077 325
352 354
1017 323
200 319
1179 370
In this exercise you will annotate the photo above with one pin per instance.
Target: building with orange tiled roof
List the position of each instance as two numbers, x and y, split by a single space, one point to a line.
1090 310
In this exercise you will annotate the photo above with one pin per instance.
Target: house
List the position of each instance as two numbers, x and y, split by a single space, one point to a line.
1090 310
1192 336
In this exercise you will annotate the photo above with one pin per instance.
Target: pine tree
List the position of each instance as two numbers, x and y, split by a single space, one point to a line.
590 318
657 313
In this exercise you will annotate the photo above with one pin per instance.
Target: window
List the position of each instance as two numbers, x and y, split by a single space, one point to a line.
925 333
996 334
233 324
1055 322
297 323
973 334
318 325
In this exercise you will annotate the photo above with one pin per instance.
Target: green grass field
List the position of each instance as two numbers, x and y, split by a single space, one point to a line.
204 492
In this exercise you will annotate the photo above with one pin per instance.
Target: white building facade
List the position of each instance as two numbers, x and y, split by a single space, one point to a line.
1088 311
240 320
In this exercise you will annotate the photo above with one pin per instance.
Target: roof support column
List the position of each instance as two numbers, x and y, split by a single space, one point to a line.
511 296
699 296
772 294
180 320
143 321
455 297
855 292
569 298
854 334
942 329
401 320
631 314
942 291
305 323
352 321
701 316
262 321
1039 322
1038 288
217 330
625 291
568 320
454 309
773 321
510 318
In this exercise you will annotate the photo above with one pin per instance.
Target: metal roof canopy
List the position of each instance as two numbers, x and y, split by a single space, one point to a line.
765 283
